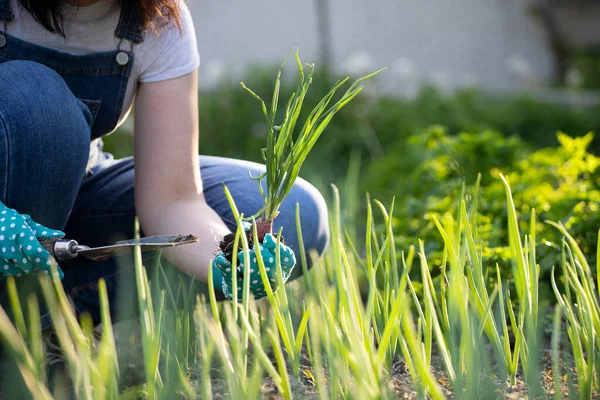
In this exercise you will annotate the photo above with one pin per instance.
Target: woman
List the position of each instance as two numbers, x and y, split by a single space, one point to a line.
69 71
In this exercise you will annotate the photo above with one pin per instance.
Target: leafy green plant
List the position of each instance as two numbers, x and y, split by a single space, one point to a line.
561 183
285 153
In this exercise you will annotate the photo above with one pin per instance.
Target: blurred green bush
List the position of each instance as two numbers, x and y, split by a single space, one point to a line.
232 124
587 63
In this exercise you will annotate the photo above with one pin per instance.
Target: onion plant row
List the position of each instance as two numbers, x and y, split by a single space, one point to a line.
365 307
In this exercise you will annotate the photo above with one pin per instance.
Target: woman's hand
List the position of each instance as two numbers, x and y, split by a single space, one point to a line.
223 271
21 251
168 186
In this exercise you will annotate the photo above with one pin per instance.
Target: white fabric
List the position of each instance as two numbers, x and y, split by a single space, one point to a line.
167 54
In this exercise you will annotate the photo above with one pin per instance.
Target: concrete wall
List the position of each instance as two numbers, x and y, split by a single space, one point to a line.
492 43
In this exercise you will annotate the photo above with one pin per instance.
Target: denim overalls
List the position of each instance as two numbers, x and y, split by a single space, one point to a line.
52 107
98 80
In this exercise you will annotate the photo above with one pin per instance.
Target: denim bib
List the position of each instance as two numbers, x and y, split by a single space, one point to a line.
99 80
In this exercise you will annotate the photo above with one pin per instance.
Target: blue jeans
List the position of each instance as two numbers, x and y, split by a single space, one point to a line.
44 147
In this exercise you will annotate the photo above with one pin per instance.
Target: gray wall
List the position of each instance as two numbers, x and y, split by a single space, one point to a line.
492 43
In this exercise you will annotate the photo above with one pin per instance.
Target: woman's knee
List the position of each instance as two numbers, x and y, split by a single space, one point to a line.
40 113
32 94
44 142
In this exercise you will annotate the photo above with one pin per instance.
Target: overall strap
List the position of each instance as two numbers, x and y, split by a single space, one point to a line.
5 14
129 27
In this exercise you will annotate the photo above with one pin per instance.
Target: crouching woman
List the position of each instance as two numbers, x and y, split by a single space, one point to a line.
69 73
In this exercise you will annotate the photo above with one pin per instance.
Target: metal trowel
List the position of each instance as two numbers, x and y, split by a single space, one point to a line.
66 249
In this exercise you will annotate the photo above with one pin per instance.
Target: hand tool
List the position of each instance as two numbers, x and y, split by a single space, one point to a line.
66 249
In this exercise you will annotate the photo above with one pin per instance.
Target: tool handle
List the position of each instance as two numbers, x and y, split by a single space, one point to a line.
61 249
48 244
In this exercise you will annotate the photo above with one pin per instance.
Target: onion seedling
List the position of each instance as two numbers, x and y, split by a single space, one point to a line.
285 152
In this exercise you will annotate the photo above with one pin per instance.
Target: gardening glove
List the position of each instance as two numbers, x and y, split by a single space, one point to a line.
20 250
223 274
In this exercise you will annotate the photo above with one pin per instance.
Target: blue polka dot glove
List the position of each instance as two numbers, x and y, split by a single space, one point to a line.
20 250
223 274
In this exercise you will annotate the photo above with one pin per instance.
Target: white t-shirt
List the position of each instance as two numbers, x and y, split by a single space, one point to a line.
167 54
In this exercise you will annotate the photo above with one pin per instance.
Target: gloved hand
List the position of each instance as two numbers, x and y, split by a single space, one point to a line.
223 274
20 250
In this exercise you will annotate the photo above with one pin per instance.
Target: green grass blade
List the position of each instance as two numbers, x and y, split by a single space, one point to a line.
14 343
556 333
286 389
15 306
423 373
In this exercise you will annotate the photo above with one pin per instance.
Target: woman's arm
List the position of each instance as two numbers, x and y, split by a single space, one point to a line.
168 186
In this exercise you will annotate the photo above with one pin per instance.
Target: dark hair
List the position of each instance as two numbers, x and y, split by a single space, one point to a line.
153 13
